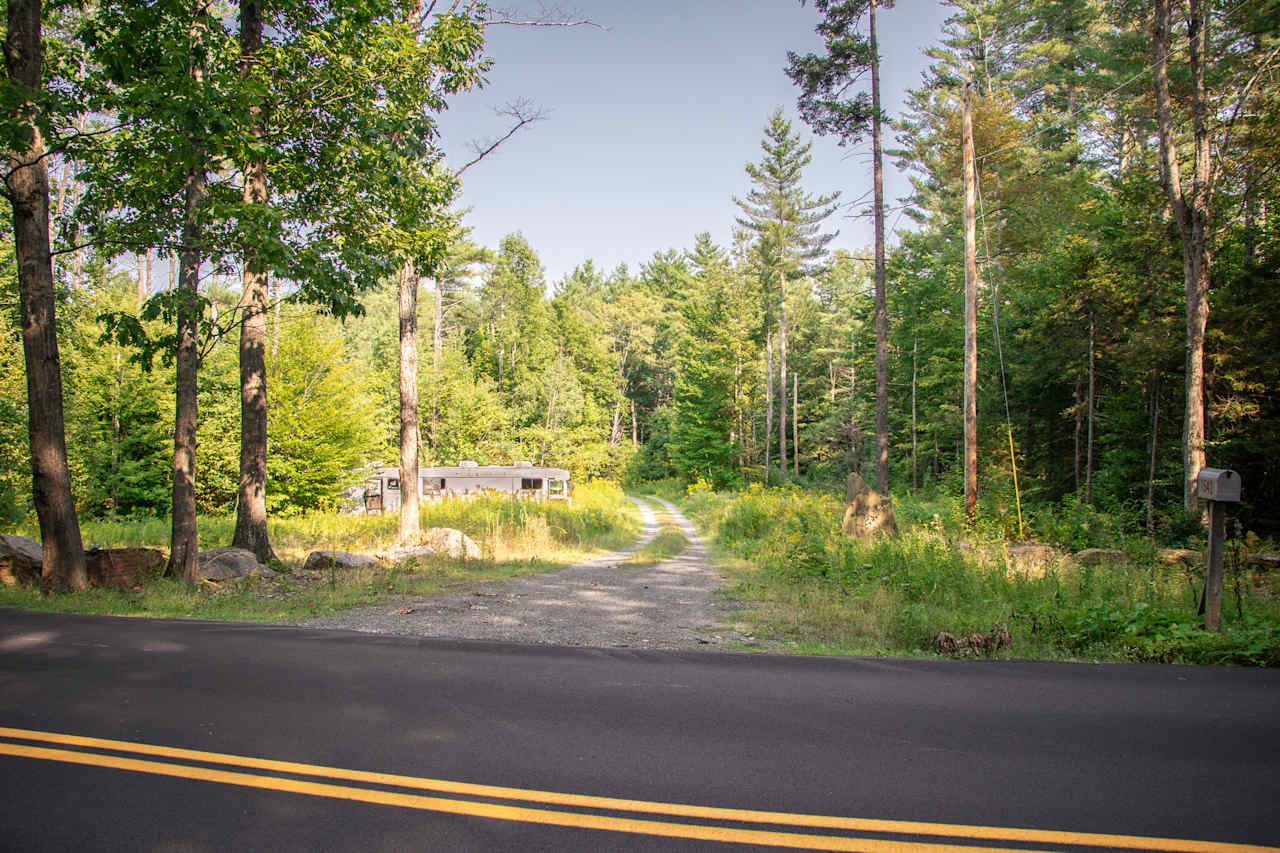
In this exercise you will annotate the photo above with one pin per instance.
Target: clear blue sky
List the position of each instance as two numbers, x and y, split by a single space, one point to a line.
651 122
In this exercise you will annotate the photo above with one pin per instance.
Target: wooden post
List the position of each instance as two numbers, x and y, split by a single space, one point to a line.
1213 574
970 313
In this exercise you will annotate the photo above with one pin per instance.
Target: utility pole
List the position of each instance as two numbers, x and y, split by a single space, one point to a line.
970 313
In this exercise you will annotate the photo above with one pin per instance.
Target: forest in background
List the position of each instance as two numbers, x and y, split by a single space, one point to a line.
675 369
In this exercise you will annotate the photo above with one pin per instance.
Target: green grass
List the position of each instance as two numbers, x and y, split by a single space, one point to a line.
669 541
805 585
517 538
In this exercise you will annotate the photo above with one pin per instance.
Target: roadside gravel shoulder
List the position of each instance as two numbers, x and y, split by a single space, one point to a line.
603 602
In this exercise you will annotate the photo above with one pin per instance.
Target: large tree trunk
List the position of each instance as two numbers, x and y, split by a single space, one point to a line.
27 185
409 519
1191 211
251 501
183 540
970 315
184 545
882 312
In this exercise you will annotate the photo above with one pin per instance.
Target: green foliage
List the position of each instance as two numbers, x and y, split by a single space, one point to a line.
823 591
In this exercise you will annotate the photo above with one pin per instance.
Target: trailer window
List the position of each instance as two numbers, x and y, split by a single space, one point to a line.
393 484
531 483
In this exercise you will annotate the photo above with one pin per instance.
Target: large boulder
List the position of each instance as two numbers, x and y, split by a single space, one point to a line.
220 564
405 553
325 560
866 513
456 544
20 560
123 568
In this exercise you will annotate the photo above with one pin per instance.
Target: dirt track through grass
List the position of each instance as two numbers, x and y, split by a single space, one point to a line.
605 602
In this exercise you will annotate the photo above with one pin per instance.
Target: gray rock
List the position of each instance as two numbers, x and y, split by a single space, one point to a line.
220 564
404 553
20 560
455 543
324 560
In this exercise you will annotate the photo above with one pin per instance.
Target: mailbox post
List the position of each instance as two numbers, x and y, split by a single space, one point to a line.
1218 486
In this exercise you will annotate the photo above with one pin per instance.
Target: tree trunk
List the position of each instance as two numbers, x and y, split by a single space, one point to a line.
768 401
173 270
882 313
1192 215
970 316
251 500
27 185
635 428
1089 409
184 541
409 517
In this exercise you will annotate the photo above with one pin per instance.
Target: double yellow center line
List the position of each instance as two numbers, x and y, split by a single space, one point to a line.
549 807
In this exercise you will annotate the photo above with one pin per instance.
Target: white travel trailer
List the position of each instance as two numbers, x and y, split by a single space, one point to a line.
381 490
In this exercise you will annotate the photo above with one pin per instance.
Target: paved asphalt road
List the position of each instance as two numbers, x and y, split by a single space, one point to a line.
902 750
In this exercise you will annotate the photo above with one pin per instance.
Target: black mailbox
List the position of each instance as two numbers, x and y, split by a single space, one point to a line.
1218 484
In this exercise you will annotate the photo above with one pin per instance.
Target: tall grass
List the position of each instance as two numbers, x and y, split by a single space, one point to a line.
600 517
517 538
811 585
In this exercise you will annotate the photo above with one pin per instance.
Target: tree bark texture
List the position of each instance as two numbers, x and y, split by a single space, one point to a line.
183 540
251 500
970 315
881 309
409 518
1191 211
27 185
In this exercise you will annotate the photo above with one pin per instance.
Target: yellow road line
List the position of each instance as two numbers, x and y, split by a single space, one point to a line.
671 809
494 810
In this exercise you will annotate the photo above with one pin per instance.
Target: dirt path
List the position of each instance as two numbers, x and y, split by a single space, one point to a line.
603 602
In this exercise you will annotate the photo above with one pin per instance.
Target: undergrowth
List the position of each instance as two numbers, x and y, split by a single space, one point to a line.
516 538
806 583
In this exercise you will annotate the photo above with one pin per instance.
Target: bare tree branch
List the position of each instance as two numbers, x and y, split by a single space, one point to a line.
522 112
546 16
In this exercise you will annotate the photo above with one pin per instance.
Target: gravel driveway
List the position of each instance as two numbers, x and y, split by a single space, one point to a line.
602 602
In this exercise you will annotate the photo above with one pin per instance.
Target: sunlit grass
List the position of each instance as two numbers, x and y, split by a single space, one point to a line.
669 542
803 585
516 537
